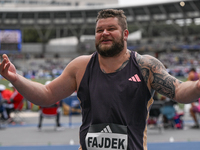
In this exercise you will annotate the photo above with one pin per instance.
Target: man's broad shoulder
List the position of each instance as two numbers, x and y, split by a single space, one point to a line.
144 59
78 65
81 61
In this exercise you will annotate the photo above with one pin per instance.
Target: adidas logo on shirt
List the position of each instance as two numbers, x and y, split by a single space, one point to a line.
107 129
135 78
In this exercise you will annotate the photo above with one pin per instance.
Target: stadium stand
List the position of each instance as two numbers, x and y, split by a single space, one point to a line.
168 27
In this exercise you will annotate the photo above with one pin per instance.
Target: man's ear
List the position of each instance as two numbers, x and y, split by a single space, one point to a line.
126 33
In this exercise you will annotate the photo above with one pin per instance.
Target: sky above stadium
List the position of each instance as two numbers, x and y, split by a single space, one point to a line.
143 2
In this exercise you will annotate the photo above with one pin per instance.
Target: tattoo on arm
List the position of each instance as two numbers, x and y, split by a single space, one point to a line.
145 74
154 72
103 71
164 85
144 70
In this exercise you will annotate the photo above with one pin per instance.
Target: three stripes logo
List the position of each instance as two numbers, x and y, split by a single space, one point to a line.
135 78
107 129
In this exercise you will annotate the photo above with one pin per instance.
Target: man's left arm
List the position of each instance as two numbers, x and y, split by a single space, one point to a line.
160 80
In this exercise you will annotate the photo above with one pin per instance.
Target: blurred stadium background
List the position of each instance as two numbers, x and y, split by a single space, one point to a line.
42 37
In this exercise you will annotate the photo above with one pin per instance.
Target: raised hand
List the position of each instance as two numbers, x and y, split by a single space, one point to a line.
7 69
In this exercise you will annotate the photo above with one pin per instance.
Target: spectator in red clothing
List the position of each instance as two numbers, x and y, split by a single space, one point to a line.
6 94
5 99
4 115
53 110
15 101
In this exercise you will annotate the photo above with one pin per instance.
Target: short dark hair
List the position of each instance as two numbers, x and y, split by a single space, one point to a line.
193 69
107 13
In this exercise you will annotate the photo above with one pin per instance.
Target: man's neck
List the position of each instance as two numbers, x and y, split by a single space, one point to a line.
114 64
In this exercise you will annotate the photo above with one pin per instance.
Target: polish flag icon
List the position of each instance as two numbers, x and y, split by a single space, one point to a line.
135 78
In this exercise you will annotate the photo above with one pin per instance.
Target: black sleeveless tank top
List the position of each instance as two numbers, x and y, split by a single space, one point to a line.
120 98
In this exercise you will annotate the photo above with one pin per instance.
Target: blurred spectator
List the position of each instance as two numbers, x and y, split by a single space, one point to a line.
193 76
51 111
71 105
14 102
6 94
155 110
168 111
4 115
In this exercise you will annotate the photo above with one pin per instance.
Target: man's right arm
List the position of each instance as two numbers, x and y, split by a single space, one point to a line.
45 95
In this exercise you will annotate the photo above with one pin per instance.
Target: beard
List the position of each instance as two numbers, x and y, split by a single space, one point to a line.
111 51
